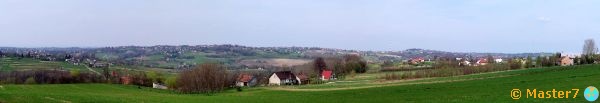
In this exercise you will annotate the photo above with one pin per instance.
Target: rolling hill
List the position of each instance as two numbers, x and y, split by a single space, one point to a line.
479 88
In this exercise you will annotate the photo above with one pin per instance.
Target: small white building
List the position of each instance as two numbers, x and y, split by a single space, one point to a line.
159 86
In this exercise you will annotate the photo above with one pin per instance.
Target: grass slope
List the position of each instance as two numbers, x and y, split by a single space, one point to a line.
10 64
476 90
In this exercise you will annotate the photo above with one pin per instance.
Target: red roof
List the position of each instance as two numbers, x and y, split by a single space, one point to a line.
326 74
244 78
418 58
483 61
302 76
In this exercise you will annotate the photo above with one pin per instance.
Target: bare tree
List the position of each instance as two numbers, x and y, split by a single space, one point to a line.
320 65
356 63
490 59
589 47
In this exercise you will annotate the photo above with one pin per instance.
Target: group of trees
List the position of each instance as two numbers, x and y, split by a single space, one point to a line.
341 66
586 59
355 63
205 78
547 61
49 77
75 76
589 55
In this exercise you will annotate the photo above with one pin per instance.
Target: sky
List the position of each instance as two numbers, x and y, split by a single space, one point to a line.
506 26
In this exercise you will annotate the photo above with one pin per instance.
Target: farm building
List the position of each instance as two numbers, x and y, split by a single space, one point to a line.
283 78
326 75
566 61
245 80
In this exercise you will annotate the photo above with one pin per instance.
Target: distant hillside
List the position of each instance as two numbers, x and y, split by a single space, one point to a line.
431 54
234 56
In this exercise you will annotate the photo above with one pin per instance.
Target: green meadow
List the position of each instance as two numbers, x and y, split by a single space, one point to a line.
364 88
10 64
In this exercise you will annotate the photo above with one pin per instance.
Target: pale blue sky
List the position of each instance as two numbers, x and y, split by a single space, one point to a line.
453 25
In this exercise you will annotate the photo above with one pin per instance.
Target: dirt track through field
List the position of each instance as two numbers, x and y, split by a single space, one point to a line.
92 70
390 83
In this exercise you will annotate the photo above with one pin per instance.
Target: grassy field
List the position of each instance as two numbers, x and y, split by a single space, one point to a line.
487 87
9 64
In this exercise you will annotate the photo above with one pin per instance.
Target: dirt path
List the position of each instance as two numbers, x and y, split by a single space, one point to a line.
92 70
386 84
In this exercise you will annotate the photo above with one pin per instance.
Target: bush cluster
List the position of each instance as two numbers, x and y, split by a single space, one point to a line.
445 72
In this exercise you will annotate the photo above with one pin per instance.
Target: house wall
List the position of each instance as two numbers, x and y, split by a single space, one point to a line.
158 86
298 79
566 62
239 84
274 80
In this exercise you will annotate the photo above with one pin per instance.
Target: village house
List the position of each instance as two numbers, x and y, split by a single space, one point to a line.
566 61
498 60
326 75
464 63
283 78
482 62
245 80
416 60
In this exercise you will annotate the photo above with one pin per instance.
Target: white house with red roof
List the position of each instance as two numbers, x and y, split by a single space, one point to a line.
482 62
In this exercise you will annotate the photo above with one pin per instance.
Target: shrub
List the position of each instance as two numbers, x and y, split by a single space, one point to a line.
316 81
355 63
352 74
30 80
140 79
75 72
155 76
239 89
171 82
447 71
391 76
